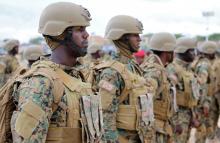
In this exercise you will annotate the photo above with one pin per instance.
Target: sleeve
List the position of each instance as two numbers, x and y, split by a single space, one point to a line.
31 122
202 73
172 75
110 84
153 76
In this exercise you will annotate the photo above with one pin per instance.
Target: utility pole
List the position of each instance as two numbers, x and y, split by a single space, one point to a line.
207 15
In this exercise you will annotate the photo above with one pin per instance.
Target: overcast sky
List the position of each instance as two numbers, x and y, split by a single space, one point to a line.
19 18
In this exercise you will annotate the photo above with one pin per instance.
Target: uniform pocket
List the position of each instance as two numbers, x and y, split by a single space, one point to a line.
28 119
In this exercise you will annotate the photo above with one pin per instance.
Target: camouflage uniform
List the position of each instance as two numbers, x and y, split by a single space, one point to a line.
10 64
216 67
187 88
155 76
50 97
155 73
114 87
38 89
204 70
182 118
9 61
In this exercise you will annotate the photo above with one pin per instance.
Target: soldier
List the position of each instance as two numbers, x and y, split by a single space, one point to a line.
207 105
95 52
187 92
50 99
127 105
162 44
9 60
32 54
216 68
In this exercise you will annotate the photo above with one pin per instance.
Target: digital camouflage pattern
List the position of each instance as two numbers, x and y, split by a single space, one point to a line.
182 118
115 84
208 120
8 65
154 73
38 90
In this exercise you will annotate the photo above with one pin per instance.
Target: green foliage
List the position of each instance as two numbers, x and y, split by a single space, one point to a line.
200 38
214 37
178 35
36 40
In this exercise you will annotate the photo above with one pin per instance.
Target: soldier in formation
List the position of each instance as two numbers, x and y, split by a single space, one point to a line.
9 62
112 100
207 107
187 88
126 102
162 44
51 99
32 54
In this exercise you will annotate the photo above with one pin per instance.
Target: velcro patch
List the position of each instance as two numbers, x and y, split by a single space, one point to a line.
107 86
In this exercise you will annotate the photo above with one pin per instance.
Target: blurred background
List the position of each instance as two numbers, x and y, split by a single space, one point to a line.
194 18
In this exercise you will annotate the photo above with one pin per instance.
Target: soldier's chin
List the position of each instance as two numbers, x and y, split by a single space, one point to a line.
136 49
83 52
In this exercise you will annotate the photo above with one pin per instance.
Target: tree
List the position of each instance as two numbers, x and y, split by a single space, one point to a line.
36 40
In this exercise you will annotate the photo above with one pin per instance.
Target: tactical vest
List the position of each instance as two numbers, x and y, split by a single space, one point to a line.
2 73
212 79
7 106
162 100
216 68
131 116
185 98
80 108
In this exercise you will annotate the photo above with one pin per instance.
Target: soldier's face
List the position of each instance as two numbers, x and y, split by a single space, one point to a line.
134 40
80 36
190 55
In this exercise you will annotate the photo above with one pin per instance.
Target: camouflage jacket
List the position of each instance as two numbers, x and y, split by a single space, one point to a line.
38 90
8 65
175 70
114 80
156 74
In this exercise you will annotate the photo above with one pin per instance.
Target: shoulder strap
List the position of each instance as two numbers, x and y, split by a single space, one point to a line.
48 72
123 71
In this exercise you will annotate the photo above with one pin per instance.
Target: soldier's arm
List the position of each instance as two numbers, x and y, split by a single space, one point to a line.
153 77
110 88
172 75
31 121
202 73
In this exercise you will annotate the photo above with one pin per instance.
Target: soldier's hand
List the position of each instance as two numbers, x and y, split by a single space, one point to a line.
195 123
178 129
206 111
